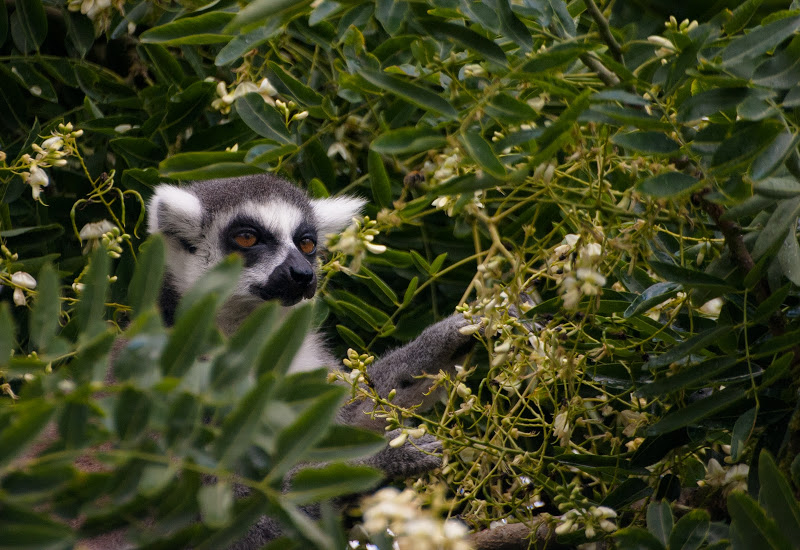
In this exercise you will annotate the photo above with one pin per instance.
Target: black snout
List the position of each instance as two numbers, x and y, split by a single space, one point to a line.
290 282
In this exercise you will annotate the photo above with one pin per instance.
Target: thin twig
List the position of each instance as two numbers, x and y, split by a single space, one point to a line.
605 30
609 78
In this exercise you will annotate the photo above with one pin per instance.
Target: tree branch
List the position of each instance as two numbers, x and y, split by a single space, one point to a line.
605 30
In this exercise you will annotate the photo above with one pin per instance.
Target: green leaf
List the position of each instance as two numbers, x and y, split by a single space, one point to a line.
391 14
408 140
243 43
132 413
759 41
191 331
789 258
410 291
259 12
279 351
232 367
668 185
636 538
381 285
346 443
262 118
556 56
777 498
694 344
241 427
690 531
741 433
481 152
466 38
379 179
28 25
750 526
183 418
331 480
44 319
7 336
647 142
3 24
689 278
91 308
351 338
216 504
513 27
774 155
26 530
778 188
710 102
660 521
137 151
738 149
207 28
694 413
740 16
265 154
653 296
219 282
774 232
694 376
506 108
411 92
552 138
20 431
310 427
302 93
145 285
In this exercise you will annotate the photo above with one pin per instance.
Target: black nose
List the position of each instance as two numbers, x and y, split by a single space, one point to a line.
302 275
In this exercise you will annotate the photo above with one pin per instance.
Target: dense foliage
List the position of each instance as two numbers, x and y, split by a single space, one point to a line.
610 193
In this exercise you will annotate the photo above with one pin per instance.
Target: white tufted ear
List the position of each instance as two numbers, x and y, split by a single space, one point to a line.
335 213
174 212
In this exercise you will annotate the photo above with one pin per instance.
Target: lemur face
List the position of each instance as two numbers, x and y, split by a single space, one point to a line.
275 227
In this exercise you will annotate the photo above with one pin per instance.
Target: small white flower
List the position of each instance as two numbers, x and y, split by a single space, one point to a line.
399 441
37 179
19 297
23 279
122 128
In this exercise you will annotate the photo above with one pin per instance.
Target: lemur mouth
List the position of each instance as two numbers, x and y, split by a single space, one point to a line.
286 296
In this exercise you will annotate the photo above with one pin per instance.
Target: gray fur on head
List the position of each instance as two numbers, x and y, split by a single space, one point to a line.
199 222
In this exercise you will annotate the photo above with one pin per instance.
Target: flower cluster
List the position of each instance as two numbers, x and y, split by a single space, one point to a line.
579 514
355 241
402 515
443 167
22 282
103 233
52 152
226 98
577 269
730 479
100 12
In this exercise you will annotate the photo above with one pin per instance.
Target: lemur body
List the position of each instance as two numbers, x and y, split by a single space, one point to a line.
278 229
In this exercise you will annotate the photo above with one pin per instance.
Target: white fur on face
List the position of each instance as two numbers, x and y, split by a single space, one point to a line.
335 213
173 208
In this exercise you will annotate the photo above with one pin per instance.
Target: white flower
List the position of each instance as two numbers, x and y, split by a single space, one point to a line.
398 441
715 474
265 88
561 428
24 280
122 128
712 308
54 143
95 230
19 297
37 179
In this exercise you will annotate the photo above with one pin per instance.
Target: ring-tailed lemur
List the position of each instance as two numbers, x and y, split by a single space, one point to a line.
278 229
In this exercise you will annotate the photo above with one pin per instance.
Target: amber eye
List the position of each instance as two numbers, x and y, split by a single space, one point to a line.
307 246
245 239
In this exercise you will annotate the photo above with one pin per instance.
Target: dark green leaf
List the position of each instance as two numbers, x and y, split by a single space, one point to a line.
345 443
660 521
146 282
691 377
412 92
191 331
243 43
466 38
44 319
262 118
693 345
784 218
556 56
26 530
391 14
132 413
636 538
302 93
91 308
513 27
7 336
789 258
750 526
647 142
408 140
481 152
240 427
741 433
278 352
261 12
668 185
28 419
710 102
690 531
507 109
774 155
694 413
653 296
379 179
305 432
351 338
207 28
332 480
760 40
28 25
777 498
741 15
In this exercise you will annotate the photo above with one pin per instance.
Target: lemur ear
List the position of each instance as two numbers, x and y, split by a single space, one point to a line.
174 212
335 213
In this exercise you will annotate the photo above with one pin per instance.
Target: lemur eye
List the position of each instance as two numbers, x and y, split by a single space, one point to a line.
245 239
307 246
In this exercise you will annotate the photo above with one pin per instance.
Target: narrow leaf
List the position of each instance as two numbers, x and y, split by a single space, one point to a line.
481 152
379 179
694 413
332 480
659 520
145 285
412 92
668 185
777 498
262 118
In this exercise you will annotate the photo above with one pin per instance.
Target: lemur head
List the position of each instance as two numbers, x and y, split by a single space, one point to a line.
274 225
